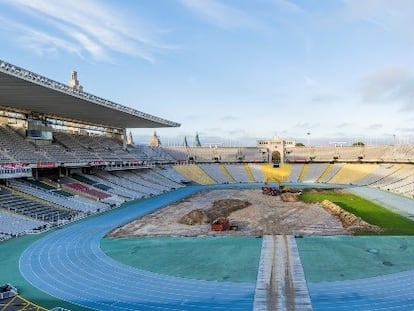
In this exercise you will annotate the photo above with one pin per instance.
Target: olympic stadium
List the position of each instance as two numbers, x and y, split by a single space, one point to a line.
70 174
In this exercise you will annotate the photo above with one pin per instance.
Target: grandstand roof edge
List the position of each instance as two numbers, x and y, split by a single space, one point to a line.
46 96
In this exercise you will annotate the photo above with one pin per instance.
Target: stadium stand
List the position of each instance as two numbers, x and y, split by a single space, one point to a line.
195 173
12 224
214 171
397 153
48 193
295 172
249 172
16 148
257 173
141 179
25 206
315 170
238 172
397 176
170 173
179 154
151 175
350 173
70 142
117 189
374 153
280 174
382 171
152 154
303 172
401 179
330 172
141 188
202 154
226 172
252 155
59 154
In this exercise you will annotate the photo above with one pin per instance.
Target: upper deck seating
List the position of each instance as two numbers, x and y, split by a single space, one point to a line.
59 153
72 144
14 147
180 154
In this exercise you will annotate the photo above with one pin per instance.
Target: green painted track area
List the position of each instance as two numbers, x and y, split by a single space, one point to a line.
339 258
233 259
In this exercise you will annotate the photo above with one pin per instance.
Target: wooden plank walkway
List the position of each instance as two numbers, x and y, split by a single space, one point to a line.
281 283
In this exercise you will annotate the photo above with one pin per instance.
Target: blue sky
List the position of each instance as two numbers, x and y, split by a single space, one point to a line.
231 70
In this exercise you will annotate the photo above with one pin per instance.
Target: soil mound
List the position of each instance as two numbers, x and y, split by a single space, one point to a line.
195 217
289 197
219 209
349 221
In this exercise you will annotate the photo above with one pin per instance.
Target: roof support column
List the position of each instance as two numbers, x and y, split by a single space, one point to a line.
124 139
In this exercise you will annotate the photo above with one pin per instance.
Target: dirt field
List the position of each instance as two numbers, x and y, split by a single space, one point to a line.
265 215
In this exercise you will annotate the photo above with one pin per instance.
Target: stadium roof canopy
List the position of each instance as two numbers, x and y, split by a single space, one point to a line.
25 91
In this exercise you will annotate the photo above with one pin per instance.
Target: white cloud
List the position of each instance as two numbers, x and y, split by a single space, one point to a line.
220 14
97 29
395 16
38 41
326 98
376 126
389 85
307 125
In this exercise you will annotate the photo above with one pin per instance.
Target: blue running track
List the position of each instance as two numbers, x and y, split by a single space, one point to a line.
70 265
393 292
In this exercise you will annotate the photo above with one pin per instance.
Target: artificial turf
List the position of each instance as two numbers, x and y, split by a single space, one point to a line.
391 223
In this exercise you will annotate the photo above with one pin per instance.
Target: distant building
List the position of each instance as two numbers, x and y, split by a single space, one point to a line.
130 140
155 140
74 82
273 150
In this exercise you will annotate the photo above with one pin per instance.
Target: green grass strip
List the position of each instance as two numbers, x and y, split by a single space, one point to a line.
391 223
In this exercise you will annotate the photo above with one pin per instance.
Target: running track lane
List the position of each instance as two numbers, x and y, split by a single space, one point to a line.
392 292
70 265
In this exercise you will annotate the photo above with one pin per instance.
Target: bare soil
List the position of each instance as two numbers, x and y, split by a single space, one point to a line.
262 215
352 223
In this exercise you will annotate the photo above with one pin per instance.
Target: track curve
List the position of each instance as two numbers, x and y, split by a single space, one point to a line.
70 265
